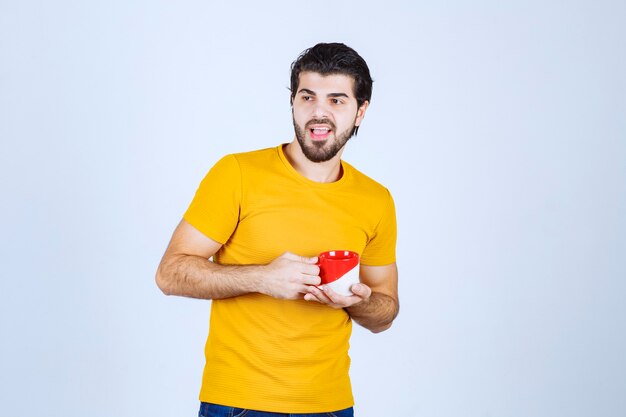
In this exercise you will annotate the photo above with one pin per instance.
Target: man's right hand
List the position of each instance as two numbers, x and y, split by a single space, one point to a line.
187 271
289 276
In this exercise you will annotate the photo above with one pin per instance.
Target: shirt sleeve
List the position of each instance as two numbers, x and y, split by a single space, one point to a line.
381 248
215 208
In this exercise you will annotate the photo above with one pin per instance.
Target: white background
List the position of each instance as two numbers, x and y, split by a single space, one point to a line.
500 128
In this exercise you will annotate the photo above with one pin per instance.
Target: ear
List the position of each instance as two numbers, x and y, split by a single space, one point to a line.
360 113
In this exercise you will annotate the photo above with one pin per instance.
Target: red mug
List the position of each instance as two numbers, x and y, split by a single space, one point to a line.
339 270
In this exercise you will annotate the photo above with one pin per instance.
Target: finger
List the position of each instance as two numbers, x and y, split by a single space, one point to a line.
316 293
332 296
311 270
306 260
320 296
361 290
304 289
311 297
302 259
339 299
311 279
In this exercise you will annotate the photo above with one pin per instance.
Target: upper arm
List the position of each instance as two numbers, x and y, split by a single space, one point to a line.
187 240
381 279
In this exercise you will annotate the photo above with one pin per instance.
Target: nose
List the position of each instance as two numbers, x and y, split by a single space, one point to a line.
320 111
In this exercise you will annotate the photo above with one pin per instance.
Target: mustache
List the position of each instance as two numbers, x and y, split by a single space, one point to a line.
319 122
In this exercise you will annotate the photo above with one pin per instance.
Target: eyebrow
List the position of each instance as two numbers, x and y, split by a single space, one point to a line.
307 91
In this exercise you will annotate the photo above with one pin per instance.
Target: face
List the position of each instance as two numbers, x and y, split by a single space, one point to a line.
325 113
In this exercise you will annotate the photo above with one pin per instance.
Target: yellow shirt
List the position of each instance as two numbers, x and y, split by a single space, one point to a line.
277 355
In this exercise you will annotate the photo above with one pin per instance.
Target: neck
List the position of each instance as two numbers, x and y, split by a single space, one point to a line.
328 171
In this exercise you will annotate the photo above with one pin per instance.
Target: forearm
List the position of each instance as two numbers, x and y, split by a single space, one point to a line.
197 277
377 313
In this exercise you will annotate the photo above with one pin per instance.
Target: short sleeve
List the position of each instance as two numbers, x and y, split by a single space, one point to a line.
214 210
381 248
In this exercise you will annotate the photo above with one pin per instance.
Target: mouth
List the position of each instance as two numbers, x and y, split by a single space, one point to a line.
318 132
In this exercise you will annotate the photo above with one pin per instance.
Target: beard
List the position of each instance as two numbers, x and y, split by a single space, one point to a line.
317 151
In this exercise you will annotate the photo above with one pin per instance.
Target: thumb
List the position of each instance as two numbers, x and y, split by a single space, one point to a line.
361 290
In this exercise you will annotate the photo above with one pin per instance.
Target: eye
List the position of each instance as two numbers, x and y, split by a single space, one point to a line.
336 101
307 98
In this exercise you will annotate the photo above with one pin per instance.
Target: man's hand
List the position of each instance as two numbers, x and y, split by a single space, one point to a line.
374 304
289 276
186 270
326 295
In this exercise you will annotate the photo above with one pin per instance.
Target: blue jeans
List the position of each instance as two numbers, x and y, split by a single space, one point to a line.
214 410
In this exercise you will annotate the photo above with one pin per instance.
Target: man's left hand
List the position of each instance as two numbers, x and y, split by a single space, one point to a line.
325 295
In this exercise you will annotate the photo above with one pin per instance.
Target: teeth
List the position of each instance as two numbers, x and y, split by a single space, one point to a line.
321 131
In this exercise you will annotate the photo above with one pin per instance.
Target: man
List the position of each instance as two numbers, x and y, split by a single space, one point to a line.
278 341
